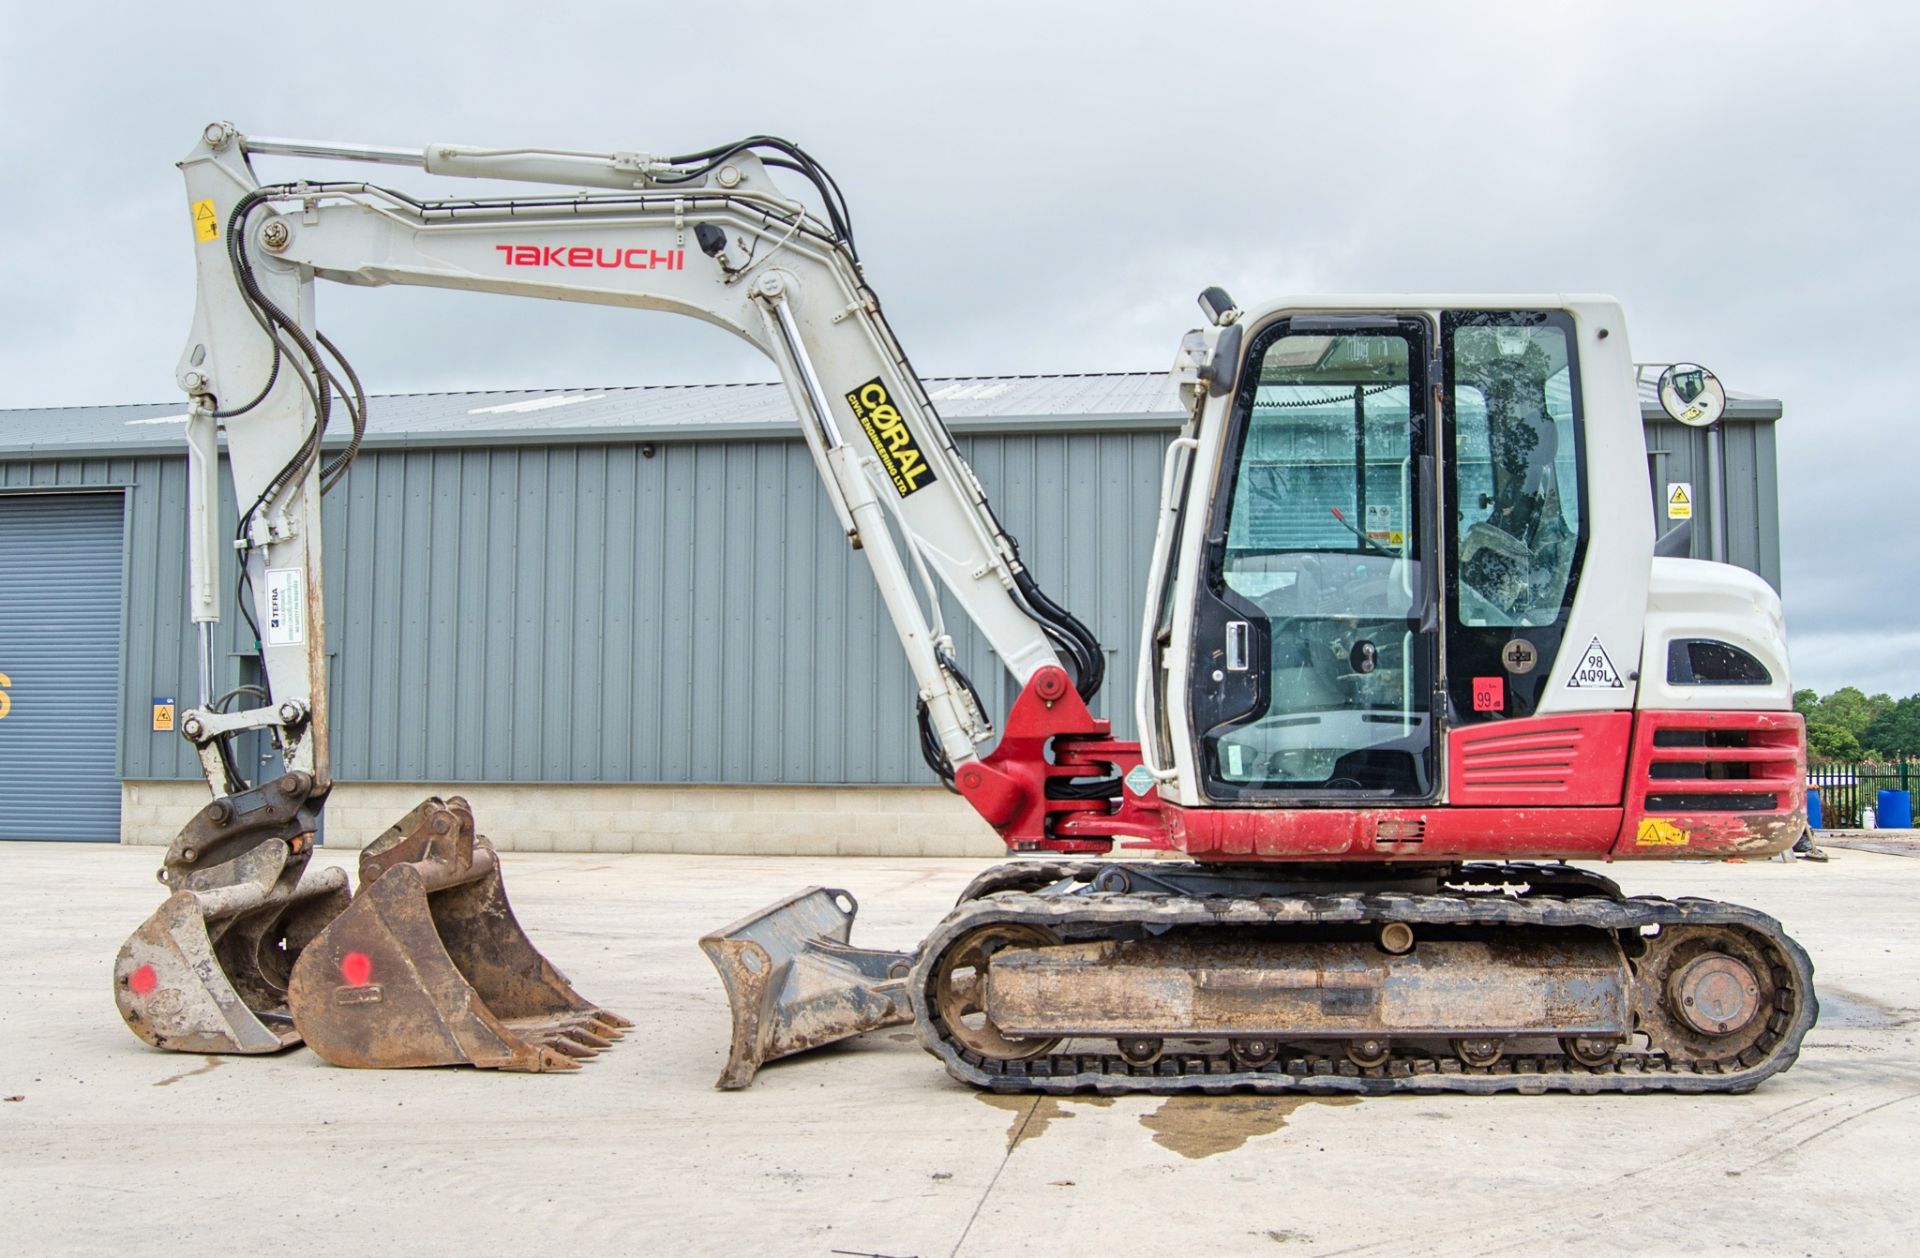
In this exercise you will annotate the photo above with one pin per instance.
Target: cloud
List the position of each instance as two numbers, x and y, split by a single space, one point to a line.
1037 189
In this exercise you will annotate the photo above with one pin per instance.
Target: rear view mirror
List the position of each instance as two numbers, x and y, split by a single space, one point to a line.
1692 394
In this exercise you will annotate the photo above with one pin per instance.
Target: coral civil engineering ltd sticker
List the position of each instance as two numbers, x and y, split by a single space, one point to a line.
1659 832
905 465
1594 671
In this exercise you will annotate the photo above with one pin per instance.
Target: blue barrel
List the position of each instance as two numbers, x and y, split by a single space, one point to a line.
1895 810
1814 816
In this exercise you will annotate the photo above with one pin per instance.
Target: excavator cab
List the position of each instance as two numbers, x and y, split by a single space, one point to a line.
1331 596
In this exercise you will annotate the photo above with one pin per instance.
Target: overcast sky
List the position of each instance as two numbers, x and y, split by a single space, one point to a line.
1043 188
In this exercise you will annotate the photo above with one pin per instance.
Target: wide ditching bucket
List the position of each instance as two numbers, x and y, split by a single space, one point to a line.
208 972
794 982
428 966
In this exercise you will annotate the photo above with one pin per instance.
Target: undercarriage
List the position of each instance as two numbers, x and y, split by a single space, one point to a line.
1167 977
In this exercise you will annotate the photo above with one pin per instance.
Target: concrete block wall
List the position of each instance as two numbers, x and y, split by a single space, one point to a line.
706 820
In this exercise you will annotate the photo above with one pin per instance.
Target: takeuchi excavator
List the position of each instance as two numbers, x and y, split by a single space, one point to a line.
1410 648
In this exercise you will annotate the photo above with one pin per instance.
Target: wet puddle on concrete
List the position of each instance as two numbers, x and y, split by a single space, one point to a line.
1202 1126
1192 1126
1033 1115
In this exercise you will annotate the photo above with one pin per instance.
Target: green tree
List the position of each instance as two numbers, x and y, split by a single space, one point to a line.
1895 730
1827 741
1848 708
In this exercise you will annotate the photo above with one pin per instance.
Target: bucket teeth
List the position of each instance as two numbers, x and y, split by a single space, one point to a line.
429 967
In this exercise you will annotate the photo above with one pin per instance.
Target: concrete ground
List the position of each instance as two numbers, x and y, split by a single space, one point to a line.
107 1146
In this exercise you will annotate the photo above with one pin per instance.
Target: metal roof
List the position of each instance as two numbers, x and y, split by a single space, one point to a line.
1095 402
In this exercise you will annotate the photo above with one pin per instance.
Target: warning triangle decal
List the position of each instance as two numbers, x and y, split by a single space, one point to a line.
1679 495
1594 671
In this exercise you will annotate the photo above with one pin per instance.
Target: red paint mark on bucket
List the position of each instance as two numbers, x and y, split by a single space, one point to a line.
356 968
142 980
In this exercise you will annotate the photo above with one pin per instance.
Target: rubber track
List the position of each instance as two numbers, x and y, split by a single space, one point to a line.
1793 1013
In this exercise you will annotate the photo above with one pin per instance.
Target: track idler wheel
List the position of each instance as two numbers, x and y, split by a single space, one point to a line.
1704 993
1140 1050
960 991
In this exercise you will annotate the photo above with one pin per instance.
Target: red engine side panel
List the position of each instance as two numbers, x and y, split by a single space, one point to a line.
1714 784
1572 761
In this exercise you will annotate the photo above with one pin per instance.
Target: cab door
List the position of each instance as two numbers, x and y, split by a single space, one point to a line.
1313 674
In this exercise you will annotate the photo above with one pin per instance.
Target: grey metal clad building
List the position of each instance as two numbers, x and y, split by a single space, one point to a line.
551 591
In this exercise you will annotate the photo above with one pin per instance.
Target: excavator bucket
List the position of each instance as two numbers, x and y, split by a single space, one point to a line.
207 973
794 982
428 966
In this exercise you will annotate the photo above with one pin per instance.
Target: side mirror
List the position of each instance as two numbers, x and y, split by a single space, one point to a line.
1692 394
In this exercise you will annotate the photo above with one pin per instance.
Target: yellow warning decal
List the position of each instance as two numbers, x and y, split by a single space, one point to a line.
1679 500
1659 832
206 226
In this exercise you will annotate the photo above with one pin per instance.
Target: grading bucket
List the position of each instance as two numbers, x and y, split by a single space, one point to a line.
794 982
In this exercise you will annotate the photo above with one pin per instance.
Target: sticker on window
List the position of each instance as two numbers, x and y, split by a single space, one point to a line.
1489 694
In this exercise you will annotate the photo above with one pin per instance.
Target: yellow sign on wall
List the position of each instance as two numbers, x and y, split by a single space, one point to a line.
1679 500
162 713
6 701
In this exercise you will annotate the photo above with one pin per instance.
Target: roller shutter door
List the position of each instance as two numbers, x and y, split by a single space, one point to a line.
60 653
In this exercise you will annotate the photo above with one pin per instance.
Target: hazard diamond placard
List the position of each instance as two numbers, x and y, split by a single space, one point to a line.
1594 671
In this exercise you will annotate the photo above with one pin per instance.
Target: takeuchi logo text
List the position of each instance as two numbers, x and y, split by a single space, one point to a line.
587 257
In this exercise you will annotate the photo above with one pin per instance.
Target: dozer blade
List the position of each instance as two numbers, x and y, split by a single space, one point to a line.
207 973
794 982
428 966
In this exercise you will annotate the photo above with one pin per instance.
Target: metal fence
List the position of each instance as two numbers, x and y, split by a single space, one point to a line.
1846 788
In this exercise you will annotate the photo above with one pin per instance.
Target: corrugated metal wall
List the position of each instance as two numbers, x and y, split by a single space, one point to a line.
1679 453
156 652
587 614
